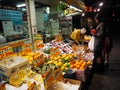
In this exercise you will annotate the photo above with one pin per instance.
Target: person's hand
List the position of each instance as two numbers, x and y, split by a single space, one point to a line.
93 31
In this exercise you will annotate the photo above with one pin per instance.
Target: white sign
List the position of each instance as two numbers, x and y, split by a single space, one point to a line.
7 28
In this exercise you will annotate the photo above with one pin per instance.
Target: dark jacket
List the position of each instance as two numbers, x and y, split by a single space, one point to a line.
99 37
108 40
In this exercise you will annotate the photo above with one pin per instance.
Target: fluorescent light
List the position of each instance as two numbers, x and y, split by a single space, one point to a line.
75 8
21 5
75 13
48 10
101 4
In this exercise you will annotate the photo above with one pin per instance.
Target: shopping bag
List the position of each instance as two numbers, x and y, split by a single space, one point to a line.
91 43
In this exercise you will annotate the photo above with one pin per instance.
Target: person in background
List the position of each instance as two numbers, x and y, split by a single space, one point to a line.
89 25
98 61
108 45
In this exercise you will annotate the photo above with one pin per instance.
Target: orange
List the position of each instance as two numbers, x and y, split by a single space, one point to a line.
84 64
82 68
89 62
78 66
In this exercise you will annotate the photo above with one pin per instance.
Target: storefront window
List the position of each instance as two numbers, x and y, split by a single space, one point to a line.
13 21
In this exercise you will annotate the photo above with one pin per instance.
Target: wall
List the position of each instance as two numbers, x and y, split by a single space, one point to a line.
39 17
53 25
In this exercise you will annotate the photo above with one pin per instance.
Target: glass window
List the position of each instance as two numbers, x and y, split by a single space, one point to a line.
13 21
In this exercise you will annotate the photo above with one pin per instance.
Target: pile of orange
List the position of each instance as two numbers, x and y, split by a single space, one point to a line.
40 45
80 64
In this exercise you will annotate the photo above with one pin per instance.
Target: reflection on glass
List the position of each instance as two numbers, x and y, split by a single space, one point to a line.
13 21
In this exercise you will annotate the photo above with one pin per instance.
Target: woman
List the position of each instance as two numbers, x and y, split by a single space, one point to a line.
108 45
98 62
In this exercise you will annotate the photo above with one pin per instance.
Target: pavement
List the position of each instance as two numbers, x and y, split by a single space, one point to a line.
110 79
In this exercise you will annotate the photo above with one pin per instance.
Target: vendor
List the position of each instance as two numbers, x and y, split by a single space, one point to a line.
76 35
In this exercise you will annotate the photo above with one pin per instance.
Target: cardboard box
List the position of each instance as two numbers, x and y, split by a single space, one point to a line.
7 70
66 84
72 81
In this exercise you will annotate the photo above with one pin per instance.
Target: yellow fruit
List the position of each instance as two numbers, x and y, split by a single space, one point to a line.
60 63
62 68
89 62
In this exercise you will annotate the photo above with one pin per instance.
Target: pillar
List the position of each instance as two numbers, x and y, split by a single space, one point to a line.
31 15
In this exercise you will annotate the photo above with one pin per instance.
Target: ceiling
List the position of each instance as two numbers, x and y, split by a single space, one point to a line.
15 2
109 3
93 3
109 7
11 2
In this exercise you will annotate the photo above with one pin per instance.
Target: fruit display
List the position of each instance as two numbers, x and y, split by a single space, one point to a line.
38 37
87 38
62 61
58 38
48 78
38 44
50 60
34 81
6 51
88 56
18 78
33 57
46 50
11 65
57 75
80 64
27 78
66 48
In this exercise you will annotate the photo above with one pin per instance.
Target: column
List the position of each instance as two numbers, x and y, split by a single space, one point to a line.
31 15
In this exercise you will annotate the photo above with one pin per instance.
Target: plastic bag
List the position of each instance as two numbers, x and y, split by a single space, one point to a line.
91 43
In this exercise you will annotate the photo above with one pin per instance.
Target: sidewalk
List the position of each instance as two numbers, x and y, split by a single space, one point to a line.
110 79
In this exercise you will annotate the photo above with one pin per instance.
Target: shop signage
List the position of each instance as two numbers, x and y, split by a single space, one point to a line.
88 9
12 15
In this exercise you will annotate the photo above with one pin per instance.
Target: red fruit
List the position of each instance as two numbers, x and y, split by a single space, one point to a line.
93 31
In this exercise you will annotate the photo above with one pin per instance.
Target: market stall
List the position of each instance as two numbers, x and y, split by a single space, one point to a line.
45 66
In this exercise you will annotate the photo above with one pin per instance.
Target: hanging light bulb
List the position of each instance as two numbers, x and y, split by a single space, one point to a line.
83 14
101 4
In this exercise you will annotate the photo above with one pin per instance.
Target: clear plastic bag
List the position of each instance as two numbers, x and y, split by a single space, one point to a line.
91 43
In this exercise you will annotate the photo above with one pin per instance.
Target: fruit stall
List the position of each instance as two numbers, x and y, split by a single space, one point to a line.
44 66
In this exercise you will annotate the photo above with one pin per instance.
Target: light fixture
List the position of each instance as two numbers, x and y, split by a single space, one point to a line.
101 4
60 2
94 10
75 13
98 9
83 14
75 8
21 5
48 10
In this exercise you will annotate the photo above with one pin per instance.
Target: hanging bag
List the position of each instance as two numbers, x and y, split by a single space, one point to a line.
91 43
